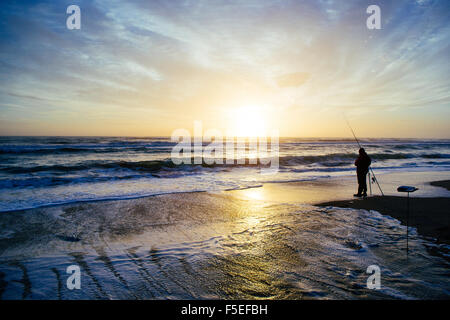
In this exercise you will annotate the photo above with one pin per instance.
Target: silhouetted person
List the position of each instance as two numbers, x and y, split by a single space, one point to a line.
362 167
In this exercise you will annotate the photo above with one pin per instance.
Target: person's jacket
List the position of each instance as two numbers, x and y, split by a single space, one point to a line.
363 163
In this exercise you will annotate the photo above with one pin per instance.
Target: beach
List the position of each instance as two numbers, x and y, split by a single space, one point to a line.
216 150
429 215
276 241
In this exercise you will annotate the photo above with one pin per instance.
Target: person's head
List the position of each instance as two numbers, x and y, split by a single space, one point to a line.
362 151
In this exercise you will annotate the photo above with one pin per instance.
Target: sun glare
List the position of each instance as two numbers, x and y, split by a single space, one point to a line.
248 121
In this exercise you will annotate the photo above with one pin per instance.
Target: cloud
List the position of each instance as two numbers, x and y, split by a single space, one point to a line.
181 59
293 79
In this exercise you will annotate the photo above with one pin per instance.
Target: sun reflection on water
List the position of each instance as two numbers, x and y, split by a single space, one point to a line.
254 194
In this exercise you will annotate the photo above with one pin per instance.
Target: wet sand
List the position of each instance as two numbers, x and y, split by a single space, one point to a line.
168 215
431 216
268 242
429 206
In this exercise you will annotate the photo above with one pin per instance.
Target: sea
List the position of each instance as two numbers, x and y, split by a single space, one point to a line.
208 245
45 171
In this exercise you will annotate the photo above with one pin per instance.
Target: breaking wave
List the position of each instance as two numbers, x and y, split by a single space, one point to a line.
43 170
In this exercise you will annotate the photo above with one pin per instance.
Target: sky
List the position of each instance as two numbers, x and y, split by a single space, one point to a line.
147 68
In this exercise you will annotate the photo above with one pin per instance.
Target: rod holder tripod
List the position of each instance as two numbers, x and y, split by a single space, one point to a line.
408 190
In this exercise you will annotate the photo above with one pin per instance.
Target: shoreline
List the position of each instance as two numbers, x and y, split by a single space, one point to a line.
252 243
345 181
428 208
345 185
429 215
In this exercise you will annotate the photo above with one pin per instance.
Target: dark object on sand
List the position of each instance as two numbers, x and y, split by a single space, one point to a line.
442 183
408 190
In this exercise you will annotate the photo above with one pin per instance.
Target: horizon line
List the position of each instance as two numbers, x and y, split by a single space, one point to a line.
162 136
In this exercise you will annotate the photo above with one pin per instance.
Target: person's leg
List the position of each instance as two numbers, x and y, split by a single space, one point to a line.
360 184
364 184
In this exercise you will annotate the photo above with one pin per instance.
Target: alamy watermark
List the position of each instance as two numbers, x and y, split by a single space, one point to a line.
74 20
374 20
374 281
74 280
225 150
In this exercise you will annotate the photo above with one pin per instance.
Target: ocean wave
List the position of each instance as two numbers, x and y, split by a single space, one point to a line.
45 150
339 158
435 156
148 166
152 166
55 181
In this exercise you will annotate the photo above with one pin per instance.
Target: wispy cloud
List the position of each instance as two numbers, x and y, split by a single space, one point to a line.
156 65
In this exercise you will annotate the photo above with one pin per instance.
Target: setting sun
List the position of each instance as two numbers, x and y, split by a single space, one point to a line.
247 121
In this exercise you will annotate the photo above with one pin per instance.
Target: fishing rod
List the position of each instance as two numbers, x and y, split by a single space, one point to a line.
359 145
